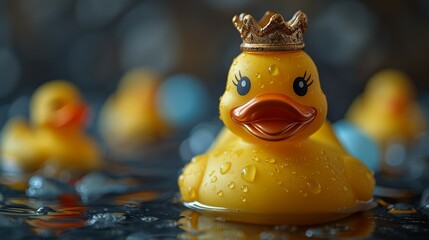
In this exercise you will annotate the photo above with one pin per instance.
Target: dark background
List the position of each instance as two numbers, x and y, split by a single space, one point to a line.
93 42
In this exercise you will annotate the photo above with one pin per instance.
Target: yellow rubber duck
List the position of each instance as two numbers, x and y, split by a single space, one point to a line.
277 161
129 117
387 110
55 135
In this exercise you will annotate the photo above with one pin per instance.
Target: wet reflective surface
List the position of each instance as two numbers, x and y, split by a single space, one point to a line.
138 199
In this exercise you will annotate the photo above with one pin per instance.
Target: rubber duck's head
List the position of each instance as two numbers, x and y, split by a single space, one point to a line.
139 84
389 92
273 94
58 104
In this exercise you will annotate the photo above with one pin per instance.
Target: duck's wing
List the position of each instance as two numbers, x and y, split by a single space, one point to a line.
326 135
360 178
20 148
191 177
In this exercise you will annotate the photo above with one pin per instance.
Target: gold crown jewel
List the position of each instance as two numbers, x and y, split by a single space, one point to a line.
272 32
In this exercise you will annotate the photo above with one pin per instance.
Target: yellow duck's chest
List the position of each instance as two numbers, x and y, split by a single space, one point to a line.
295 178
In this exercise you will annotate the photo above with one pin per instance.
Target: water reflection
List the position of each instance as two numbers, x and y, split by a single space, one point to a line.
199 226
132 200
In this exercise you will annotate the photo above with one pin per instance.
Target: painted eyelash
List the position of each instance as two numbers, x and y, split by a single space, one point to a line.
308 79
237 79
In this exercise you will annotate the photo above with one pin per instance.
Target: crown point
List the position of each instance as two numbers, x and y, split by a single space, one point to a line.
272 32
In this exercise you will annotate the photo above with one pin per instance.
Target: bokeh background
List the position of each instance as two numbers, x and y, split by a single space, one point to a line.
94 42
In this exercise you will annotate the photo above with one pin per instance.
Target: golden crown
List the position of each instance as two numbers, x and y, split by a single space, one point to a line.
272 32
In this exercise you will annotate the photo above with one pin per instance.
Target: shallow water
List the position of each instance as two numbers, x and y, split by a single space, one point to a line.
139 200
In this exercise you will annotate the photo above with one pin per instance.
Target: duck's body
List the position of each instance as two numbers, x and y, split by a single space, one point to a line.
53 138
278 160
268 186
405 126
129 117
73 151
27 148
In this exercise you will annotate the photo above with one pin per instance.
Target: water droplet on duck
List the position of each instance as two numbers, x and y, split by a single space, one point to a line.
249 173
211 173
293 172
224 168
214 179
244 188
218 153
314 186
334 179
270 160
256 159
261 85
239 152
286 189
345 188
231 185
258 75
273 70
220 193
243 199
278 181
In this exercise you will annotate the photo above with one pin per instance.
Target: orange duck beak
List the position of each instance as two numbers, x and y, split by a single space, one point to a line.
273 116
71 115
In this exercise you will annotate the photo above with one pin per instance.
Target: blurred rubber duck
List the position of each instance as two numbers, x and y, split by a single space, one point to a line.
147 108
129 117
277 161
387 110
55 135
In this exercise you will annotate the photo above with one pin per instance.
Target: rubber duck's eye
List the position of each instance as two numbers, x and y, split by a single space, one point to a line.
300 85
243 84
